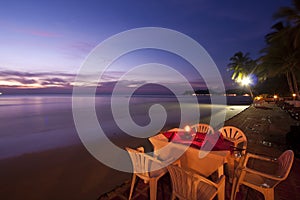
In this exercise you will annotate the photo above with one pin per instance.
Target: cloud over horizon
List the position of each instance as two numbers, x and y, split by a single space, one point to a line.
18 79
42 82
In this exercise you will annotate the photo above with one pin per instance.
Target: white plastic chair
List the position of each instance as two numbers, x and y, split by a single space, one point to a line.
234 135
239 140
187 184
202 128
143 166
259 180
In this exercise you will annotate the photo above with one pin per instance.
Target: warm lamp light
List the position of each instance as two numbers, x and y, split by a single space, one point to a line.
275 96
187 128
294 96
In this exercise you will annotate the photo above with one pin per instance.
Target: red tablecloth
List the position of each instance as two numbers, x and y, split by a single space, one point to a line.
198 140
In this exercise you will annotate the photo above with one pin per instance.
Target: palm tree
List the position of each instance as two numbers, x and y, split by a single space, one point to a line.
242 66
291 35
291 15
281 56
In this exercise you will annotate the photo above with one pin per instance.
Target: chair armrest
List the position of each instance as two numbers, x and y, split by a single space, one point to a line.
259 157
216 184
269 176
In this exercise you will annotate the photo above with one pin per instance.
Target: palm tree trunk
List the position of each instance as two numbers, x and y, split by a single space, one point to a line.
295 84
251 93
288 77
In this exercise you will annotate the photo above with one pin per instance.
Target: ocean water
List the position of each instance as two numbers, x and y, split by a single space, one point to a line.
37 123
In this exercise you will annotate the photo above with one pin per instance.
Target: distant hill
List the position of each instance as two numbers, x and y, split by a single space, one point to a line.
207 92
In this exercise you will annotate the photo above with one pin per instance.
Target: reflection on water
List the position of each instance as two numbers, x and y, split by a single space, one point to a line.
35 123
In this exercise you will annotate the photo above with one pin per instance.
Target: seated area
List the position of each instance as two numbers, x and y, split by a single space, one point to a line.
207 164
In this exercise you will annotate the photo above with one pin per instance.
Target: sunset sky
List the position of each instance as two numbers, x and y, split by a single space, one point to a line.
44 43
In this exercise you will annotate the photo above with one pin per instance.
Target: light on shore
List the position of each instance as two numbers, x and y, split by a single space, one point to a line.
258 98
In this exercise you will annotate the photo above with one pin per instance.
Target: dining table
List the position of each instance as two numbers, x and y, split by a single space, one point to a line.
197 151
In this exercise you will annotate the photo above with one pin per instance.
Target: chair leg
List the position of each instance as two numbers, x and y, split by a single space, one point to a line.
269 194
173 196
236 186
132 186
233 189
221 191
153 189
230 166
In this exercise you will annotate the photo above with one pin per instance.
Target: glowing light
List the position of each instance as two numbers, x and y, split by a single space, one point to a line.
258 98
294 95
187 128
275 96
246 81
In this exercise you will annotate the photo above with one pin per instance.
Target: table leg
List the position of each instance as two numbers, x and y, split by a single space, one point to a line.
220 171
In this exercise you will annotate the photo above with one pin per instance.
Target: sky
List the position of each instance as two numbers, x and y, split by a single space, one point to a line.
44 43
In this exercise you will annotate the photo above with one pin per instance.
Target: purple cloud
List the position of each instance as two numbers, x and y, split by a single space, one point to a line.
26 79
22 80
62 81
30 74
55 81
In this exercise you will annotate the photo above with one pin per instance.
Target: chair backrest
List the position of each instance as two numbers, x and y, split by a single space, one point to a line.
184 183
234 134
285 162
187 184
144 165
203 128
140 162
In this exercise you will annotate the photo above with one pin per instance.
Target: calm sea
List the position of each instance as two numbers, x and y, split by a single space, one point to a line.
36 123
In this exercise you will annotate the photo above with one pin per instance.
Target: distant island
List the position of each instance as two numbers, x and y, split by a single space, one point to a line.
205 92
